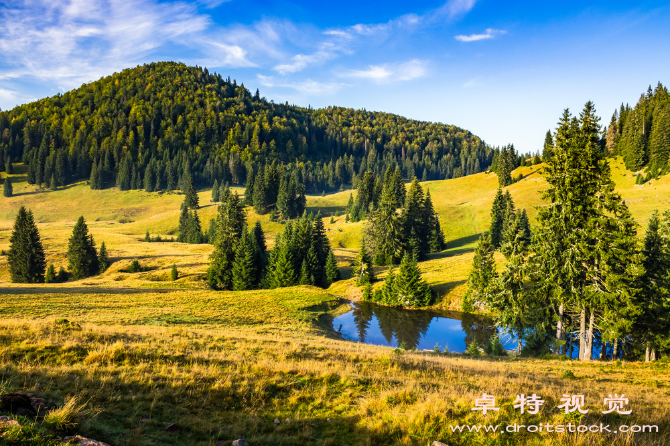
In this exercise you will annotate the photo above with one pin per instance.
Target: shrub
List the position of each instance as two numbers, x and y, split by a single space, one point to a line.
494 347
567 374
135 267
473 349
174 274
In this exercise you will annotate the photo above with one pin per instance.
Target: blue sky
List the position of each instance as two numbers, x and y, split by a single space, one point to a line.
503 70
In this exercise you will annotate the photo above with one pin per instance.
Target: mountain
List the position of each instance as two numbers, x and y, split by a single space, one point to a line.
163 125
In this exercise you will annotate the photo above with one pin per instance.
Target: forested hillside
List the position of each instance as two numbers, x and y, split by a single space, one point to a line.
165 125
642 134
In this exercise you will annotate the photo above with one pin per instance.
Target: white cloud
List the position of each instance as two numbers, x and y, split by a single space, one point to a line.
391 72
472 83
300 61
457 7
489 34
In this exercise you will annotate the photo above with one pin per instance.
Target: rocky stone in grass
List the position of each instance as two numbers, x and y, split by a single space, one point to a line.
240 442
329 420
439 443
23 412
12 402
83 441
277 421
39 404
173 428
8 422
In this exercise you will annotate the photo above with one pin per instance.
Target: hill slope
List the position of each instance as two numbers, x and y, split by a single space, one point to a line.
163 125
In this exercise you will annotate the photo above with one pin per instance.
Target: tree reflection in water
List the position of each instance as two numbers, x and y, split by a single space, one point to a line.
408 327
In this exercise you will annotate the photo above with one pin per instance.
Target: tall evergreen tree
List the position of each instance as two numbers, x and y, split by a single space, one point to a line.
230 222
547 151
243 266
260 196
363 272
191 199
497 218
81 254
103 258
8 190
215 192
332 274
482 276
409 288
249 191
26 257
652 325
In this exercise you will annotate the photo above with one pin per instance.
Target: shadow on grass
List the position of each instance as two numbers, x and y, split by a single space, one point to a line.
457 247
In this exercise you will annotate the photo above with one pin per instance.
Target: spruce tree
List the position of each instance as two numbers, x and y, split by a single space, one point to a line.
320 241
183 224
26 255
215 192
103 258
305 277
482 275
230 223
191 198
410 289
249 191
497 218
314 267
8 190
433 228
81 255
332 274
260 197
585 238
243 266
50 276
284 273
387 228
651 325
363 272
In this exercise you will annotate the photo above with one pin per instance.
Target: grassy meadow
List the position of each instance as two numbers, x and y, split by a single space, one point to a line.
224 364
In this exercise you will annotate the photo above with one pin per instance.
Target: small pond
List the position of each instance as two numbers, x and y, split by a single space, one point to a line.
420 329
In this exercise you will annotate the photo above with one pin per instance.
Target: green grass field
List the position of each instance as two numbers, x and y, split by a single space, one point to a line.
223 364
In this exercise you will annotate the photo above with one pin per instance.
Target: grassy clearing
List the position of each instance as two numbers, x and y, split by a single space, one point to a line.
223 364
222 383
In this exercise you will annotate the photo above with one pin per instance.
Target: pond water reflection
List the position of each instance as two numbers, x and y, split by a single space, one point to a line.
421 329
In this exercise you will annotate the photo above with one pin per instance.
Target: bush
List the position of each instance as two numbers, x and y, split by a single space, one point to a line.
174 274
135 267
537 344
567 374
473 349
495 347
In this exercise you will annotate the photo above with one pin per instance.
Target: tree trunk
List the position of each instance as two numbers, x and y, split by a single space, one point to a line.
647 352
653 354
569 339
582 332
615 349
603 350
588 342
559 331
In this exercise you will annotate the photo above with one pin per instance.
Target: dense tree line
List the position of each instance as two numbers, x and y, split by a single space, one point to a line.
584 281
165 126
642 134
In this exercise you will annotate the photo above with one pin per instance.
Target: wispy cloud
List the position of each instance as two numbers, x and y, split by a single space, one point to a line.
307 86
391 72
489 34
